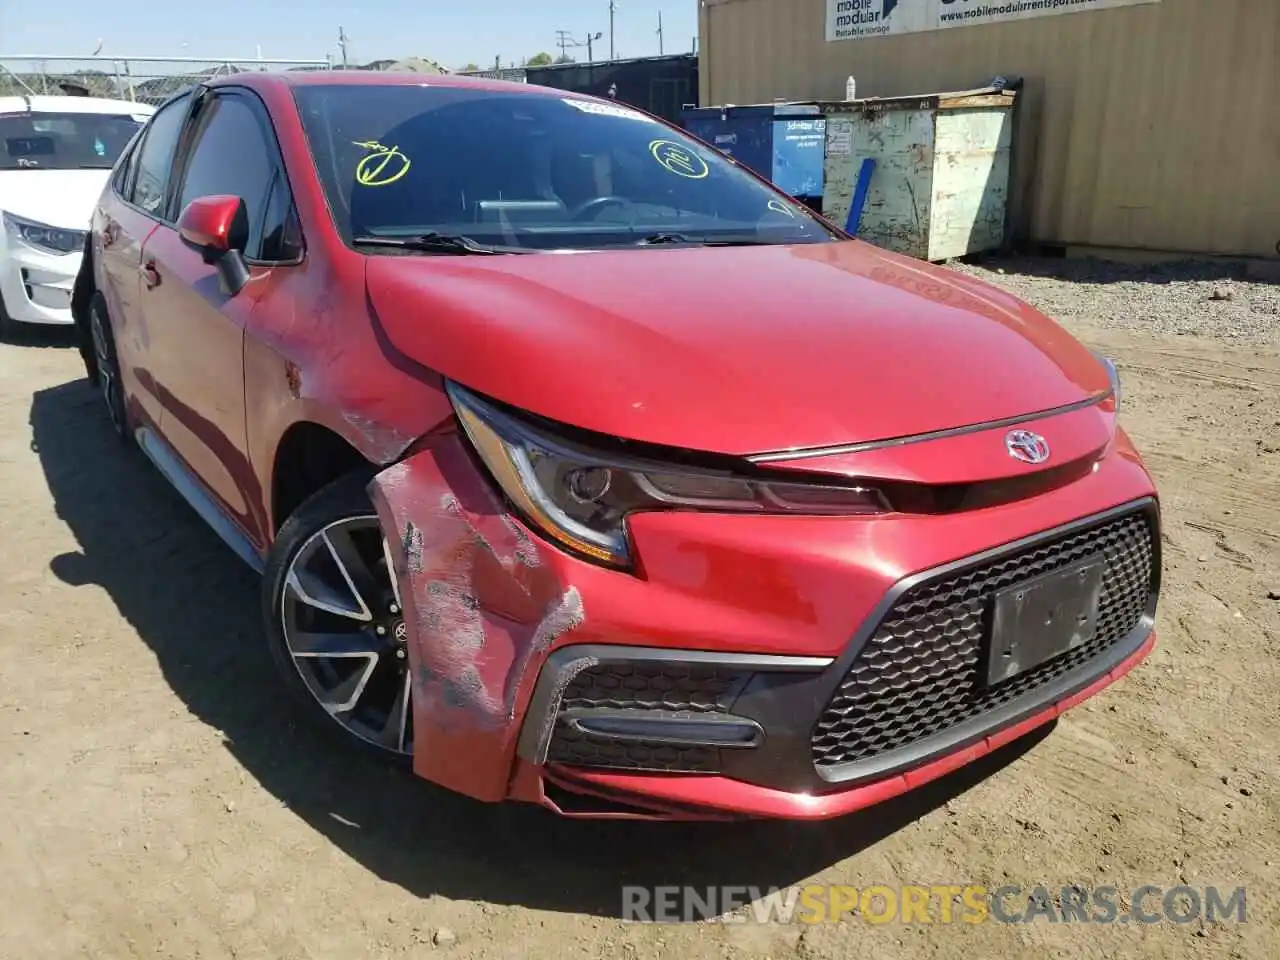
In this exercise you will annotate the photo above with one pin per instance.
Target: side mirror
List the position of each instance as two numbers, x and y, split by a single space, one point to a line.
218 228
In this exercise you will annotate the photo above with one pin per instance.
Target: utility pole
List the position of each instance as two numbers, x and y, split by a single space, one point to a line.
564 39
613 6
661 51
342 46
592 38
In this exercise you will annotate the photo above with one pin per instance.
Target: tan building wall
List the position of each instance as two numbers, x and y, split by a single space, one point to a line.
1154 127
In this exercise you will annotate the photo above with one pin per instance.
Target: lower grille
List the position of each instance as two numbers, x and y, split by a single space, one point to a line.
579 749
921 672
656 688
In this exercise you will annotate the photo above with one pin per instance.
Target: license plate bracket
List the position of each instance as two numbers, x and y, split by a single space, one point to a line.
1037 620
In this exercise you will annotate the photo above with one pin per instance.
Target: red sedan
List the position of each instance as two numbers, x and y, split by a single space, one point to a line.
585 468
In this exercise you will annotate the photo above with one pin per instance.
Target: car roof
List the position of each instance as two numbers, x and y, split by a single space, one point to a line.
47 104
380 78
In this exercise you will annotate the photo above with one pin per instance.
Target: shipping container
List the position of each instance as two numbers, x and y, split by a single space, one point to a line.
664 86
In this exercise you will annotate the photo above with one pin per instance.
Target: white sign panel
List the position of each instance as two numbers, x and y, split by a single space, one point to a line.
858 19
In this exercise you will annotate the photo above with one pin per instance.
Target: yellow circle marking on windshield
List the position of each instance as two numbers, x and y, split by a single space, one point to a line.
780 207
381 166
679 160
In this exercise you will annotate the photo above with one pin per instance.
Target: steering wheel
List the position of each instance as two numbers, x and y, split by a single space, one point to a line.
596 204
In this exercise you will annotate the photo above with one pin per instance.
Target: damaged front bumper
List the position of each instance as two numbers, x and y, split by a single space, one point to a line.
753 665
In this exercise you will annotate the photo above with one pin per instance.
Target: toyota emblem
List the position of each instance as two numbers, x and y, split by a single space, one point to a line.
1026 446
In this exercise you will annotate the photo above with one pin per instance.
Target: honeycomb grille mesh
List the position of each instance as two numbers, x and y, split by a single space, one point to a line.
920 673
573 747
672 689
653 686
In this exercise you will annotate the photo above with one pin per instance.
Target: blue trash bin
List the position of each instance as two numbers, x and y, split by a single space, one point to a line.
783 142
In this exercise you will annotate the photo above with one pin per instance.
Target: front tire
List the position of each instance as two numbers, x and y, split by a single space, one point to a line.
335 624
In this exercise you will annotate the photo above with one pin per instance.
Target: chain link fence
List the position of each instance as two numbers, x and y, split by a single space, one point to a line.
140 79
510 74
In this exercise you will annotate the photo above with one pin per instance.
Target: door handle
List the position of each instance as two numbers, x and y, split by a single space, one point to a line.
150 276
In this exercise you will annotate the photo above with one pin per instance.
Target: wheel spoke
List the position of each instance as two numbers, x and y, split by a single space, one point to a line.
395 731
391 572
353 567
303 643
344 697
314 592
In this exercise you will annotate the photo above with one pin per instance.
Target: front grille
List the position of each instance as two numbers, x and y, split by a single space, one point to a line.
921 672
666 688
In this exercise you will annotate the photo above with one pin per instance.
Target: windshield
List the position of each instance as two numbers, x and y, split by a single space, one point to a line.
64 141
529 171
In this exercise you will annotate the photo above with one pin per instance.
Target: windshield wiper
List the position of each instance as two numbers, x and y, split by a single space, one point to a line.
661 238
435 243
664 238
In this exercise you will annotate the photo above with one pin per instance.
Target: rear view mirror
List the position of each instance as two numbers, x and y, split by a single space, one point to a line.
218 227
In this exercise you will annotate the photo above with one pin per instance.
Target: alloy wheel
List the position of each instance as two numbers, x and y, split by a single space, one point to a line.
107 381
345 631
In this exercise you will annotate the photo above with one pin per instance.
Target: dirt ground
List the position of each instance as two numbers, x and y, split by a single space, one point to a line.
158 799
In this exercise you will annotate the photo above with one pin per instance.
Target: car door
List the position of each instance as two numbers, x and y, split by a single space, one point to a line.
197 330
132 209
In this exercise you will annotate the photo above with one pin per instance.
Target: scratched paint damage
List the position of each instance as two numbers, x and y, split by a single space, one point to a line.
483 606
382 443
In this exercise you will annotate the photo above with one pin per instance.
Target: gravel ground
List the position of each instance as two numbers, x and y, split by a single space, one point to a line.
1202 299
159 801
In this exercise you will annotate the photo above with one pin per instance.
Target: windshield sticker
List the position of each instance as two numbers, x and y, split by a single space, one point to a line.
779 207
608 110
381 166
679 160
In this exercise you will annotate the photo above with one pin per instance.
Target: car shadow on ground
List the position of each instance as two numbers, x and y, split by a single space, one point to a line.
39 335
196 606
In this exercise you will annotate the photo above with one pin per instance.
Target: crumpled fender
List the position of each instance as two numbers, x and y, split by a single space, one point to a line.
482 607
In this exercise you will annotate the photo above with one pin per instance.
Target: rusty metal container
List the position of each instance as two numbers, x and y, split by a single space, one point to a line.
938 186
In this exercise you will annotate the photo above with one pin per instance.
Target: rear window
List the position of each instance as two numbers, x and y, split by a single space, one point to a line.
64 141
529 170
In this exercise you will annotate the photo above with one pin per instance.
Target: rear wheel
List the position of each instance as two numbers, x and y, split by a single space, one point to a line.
108 366
335 623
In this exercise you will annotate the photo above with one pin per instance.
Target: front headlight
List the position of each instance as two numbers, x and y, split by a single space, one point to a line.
42 236
581 498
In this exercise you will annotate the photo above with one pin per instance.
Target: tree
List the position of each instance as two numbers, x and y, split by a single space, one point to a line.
469 68
565 58
539 60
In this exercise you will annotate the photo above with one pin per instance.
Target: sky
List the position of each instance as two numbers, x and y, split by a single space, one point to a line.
454 34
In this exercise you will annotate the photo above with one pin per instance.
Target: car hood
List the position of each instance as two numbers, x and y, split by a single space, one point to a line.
732 350
58 198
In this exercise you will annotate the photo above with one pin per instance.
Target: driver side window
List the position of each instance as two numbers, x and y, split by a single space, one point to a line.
233 155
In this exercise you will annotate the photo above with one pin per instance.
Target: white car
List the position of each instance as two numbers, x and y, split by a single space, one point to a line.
56 154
